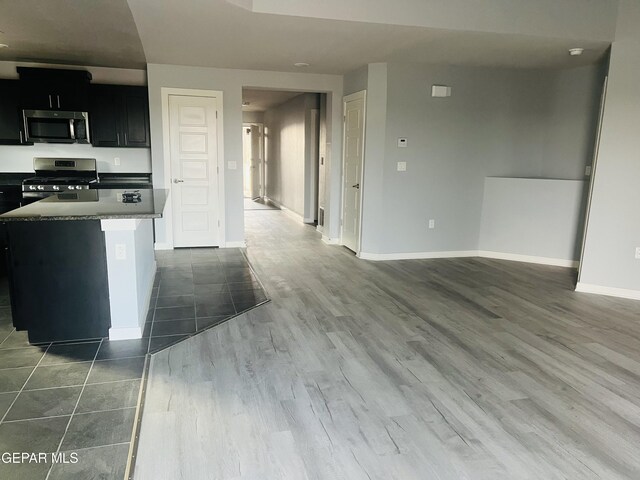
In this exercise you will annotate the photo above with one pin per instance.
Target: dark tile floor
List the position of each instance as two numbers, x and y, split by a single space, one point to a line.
82 397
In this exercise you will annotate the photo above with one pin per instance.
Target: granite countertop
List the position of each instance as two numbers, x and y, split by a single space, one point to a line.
91 205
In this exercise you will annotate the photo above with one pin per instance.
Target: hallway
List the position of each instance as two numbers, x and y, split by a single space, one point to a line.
421 369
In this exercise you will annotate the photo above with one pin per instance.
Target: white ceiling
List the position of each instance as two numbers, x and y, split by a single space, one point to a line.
73 32
263 100
217 33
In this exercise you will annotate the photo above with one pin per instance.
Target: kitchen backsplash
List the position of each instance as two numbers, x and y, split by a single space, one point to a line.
20 158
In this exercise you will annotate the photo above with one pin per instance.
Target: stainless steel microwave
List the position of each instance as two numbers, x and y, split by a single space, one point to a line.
54 126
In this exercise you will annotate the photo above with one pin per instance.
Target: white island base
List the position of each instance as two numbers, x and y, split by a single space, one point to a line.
131 268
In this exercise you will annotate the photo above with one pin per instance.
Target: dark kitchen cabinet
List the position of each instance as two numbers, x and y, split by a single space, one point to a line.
119 116
11 125
53 89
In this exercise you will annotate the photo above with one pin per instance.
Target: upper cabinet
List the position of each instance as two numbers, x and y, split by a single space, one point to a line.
52 89
119 116
11 125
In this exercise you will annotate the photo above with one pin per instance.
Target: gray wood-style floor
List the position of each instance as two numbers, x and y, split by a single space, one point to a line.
421 369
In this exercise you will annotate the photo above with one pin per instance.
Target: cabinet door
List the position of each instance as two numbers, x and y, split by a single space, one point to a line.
104 116
135 119
11 128
70 97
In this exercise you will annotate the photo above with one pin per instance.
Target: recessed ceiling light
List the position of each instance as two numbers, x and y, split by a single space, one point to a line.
4 45
576 52
300 64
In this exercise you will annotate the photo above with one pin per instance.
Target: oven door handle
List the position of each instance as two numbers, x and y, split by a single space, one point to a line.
72 130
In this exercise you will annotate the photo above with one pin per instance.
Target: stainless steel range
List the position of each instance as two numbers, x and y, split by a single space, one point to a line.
59 175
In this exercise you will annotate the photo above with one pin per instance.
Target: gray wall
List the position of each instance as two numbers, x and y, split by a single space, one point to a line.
287 153
613 231
356 81
231 82
532 217
498 122
253 117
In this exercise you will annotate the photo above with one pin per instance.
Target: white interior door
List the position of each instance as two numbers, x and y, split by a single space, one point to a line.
256 162
353 152
194 171
246 160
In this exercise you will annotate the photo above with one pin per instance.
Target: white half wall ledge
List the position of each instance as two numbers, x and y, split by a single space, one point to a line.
162 246
608 291
330 241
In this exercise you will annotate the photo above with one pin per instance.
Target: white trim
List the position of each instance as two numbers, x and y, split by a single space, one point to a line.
469 253
162 246
309 221
291 213
416 255
558 262
608 291
330 241
165 92
362 94
238 244
129 333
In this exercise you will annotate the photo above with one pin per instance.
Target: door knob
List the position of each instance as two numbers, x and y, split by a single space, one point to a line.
178 180
357 185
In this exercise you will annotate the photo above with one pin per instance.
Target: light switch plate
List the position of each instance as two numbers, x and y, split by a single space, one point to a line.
116 161
432 223
232 165
637 253
121 251
402 166
402 142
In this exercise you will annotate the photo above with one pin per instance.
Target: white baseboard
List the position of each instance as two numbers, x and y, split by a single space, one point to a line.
330 241
558 262
468 253
128 333
309 220
238 244
291 213
162 246
416 255
608 291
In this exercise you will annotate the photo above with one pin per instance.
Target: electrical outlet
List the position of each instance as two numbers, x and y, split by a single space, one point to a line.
637 253
121 251
432 223
402 166
232 165
116 161
587 171
402 142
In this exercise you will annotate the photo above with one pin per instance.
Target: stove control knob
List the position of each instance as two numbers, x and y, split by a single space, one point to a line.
32 187
70 187
55 187
78 187
40 187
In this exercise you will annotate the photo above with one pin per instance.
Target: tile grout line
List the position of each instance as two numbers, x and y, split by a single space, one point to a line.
66 415
23 385
75 407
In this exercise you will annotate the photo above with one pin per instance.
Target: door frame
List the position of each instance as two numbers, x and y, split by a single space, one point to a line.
263 187
362 94
165 92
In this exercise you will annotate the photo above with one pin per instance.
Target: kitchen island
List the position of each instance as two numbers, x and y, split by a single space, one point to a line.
81 264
